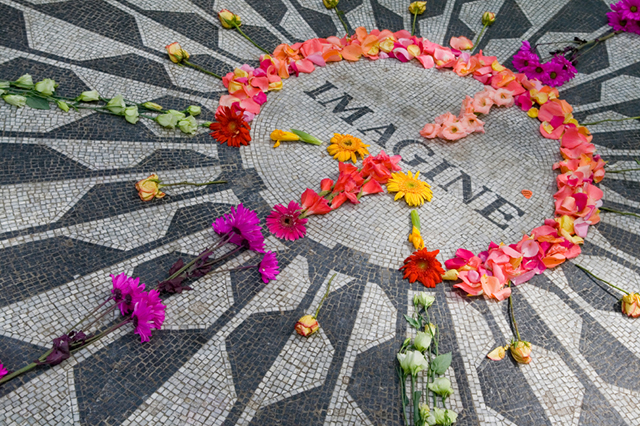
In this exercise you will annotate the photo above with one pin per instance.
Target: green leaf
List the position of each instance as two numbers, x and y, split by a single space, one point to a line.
306 137
37 102
440 363
413 323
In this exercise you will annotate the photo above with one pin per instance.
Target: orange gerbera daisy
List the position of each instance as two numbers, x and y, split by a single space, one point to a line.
423 266
230 127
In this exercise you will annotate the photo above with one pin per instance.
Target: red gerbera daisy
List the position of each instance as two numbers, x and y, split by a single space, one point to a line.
230 127
423 266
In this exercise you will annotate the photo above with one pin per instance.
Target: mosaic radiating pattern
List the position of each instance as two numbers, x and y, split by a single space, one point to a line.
227 354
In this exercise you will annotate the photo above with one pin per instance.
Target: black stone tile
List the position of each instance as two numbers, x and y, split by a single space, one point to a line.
597 294
112 383
386 19
70 85
320 23
512 27
597 411
133 67
14 355
13 32
96 16
36 267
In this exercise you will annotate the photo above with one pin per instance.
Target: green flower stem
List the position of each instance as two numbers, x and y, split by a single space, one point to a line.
237 27
513 317
413 27
484 27
111 309
611 119
416 409
162 185
326 293
607 209
344 24
415 219
403 393
600 279
17 373
199 68
220 243
595 43
622 171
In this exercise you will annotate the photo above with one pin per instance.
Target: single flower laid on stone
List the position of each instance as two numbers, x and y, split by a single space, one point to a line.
230 20
629 303
416 8
308 324
3 371
415 238
288 222
412 189
345 147
423 266
139 307
179 56
149 188
292 136
230 127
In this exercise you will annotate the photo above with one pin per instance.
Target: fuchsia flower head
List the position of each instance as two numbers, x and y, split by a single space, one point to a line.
148 314
3 371
243 226
286 223
268 267
126 292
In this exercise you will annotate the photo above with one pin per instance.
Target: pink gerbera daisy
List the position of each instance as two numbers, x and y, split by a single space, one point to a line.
285 222
242 227
268 267
126 292
3 371
148 314
630 9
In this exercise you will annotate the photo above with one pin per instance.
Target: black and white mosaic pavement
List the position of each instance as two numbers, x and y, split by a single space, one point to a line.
227 354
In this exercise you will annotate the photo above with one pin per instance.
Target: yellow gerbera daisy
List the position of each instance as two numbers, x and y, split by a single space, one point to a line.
345 147
411 188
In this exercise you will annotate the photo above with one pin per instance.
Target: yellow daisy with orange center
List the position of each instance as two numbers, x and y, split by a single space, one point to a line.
345 147
414 191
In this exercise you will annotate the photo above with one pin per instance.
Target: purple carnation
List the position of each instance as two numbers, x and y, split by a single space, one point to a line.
268 267
632 27
536 72
525 58
3 371
126 292
630 9
243 226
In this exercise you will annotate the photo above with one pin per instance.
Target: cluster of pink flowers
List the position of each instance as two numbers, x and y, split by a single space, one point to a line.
146 308
448 126
625 16
288 222
576 204
553 73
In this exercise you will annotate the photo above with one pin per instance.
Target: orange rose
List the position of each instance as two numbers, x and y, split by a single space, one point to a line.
631 305
307 325
176 53
149 188
521 351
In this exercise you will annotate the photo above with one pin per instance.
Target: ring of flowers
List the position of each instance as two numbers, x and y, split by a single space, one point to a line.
577 199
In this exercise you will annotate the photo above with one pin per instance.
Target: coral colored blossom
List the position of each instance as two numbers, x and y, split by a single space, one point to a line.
423 266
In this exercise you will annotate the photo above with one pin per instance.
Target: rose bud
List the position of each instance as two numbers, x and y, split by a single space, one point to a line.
46 86
488 18
194 110
149 188
15 100
330 4
307 325
153 106
63 105
89 96
25 82
521 351
188 125
631 305
176 53
229 19
417 7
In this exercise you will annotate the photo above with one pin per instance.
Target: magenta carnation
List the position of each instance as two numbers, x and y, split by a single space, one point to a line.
285 222
617 21
126 292
243 226
3 371
148 314
268 267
